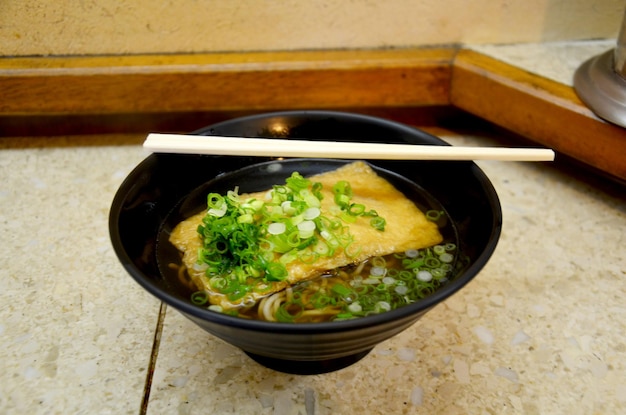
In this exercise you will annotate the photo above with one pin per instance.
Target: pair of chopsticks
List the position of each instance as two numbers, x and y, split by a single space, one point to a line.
239 146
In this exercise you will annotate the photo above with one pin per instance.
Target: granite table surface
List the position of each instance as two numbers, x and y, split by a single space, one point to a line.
541 330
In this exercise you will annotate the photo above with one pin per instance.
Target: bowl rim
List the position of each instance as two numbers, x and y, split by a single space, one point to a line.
414 309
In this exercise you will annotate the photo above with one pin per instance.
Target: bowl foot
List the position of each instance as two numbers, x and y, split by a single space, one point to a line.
306 367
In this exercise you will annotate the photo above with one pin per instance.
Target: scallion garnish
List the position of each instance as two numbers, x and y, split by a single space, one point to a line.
386 283
378 223
248 243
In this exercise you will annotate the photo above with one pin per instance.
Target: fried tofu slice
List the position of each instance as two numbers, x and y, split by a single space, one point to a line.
406 228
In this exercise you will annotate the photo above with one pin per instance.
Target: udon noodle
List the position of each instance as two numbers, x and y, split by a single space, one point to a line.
342 265
373 286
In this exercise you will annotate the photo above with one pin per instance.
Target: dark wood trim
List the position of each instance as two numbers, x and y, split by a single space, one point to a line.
224 82
127 94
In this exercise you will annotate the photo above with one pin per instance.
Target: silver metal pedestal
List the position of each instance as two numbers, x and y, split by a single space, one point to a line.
600 82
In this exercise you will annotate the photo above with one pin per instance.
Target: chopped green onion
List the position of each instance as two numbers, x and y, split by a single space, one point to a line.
347 217
343 193
378 223
321 300
311 213
378 271
378 261
341 290
405 275
276 271
287 208
371 213
306 229
401 289
356 209
246 218
438 273
434 215
382 306
379 288
216 308
286 314
247 243
277 228
389 280
296 182
424 276
200 297
432 262
446 257
351 249
215 201
316 189
342 200
355 307
412 253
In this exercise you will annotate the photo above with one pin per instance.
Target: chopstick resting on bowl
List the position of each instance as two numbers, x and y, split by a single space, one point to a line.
270 147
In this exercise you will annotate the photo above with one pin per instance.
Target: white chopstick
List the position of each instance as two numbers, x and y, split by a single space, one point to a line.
239 146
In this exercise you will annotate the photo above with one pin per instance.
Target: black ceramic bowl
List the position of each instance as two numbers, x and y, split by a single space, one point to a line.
165 187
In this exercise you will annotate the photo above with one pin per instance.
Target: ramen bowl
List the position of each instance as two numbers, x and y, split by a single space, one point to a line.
165 188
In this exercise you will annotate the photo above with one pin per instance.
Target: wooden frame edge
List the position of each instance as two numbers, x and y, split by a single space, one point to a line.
225 82
546 112
111 93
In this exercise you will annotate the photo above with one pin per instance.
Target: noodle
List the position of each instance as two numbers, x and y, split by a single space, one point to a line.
349 292
321 299
384 270
183 275
337 241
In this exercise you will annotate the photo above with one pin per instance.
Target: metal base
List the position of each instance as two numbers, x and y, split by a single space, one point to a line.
602 89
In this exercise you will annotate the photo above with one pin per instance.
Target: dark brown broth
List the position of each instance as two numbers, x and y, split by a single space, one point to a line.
169 258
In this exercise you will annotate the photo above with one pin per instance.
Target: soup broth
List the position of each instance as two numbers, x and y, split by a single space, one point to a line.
374 285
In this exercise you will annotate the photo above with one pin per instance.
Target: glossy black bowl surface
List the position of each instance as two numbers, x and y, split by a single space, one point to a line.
162 187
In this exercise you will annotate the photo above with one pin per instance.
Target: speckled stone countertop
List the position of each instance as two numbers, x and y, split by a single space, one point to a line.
556 61
541 330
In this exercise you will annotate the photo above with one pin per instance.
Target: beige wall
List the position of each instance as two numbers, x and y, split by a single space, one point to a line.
76 27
